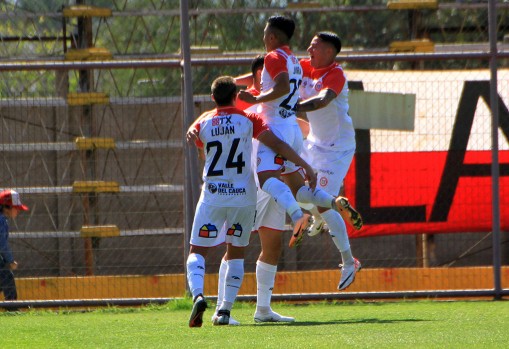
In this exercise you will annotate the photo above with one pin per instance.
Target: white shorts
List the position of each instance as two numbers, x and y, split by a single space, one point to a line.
268 160
331 166
209 220
269 214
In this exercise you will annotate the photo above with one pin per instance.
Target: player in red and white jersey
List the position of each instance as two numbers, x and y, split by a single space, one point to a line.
229 192
253 82
330 144
254 88
281 78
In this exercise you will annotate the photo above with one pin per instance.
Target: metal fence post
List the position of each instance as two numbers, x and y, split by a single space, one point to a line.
495 170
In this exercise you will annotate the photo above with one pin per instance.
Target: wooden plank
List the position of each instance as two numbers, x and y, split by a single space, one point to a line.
380 110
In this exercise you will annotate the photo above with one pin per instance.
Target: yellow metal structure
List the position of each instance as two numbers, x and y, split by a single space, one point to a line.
87 98
424 45
86 11
88 54
90 143
95 187
99 231
412 4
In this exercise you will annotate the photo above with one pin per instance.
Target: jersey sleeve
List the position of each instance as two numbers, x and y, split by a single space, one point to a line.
259 126
240 104
334 80
305 63
197 129
275 64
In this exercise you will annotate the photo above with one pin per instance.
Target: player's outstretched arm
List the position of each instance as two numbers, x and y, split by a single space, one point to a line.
281 88
244 80
280 147
314 103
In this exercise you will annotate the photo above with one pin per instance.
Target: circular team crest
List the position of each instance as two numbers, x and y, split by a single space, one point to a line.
323 181
258 160
318 86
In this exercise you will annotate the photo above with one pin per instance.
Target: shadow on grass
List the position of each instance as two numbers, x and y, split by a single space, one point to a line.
337 322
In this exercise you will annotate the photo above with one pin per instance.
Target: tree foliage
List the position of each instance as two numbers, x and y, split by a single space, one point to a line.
151 28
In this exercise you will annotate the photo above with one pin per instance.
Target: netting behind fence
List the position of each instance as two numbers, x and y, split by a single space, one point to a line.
97 154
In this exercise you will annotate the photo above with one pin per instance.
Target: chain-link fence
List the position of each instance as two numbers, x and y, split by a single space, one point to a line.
92 140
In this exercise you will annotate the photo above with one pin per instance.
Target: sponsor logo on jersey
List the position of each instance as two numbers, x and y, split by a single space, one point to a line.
235 230
326 171
212 187
222 125
222 119
228 189
208 231
284 113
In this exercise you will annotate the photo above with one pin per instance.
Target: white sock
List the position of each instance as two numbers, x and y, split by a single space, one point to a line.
265 276
220 283
317 197
234 277
338 233
282 194
315 213
195 273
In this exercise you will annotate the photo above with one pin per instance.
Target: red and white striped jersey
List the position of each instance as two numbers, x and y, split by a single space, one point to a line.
226 135
331 126
282 109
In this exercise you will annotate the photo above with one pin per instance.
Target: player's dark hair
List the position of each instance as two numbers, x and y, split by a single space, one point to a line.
224 90
284 24
331 38
257 63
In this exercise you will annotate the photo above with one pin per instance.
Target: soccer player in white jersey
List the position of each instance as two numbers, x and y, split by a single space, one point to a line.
330 144
228 195
281 78
254 86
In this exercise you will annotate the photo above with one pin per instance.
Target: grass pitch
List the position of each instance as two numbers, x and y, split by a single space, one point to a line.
406 324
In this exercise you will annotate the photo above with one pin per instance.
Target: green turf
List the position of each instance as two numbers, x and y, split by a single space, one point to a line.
423 324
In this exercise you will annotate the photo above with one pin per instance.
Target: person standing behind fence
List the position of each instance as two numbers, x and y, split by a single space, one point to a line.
10 206
228 194
330 144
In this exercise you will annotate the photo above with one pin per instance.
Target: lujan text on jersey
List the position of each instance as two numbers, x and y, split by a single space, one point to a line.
222 125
